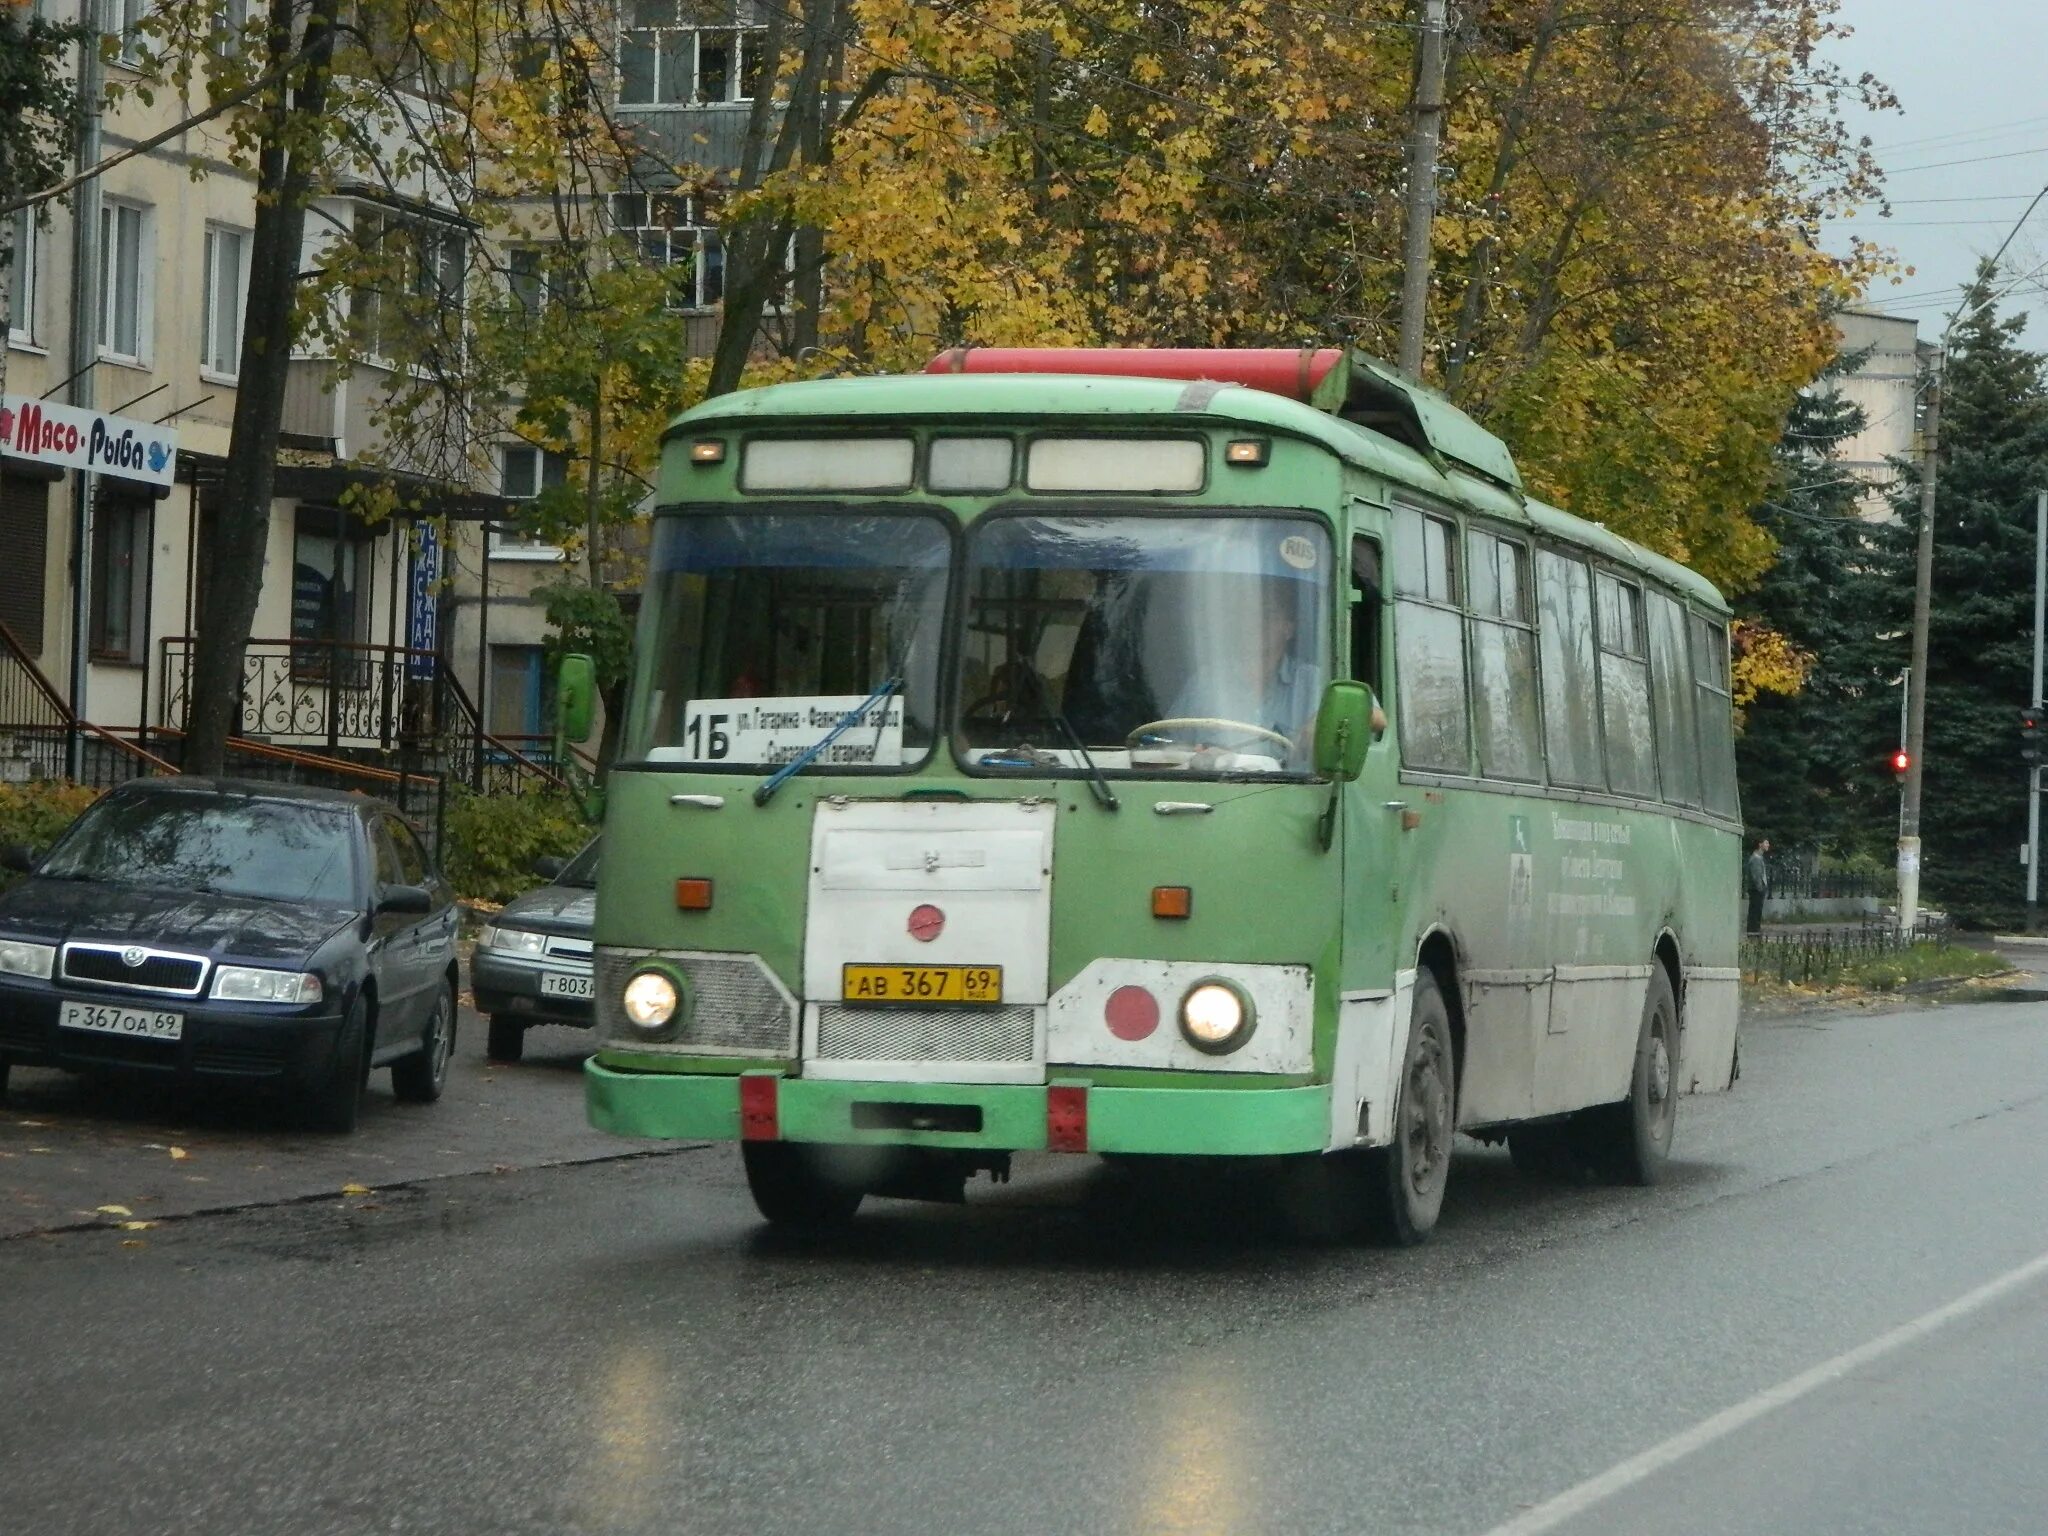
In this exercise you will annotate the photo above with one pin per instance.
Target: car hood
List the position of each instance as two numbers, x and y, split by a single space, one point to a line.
566 909
52 911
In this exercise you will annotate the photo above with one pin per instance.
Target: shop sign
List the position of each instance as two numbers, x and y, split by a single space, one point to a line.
69 438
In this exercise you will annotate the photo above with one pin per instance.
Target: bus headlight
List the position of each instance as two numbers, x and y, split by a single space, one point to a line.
651 1000
1216 1017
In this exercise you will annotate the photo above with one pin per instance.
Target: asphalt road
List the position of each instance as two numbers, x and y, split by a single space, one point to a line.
618 1346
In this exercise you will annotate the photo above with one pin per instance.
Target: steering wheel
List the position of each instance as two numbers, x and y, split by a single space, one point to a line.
1245 729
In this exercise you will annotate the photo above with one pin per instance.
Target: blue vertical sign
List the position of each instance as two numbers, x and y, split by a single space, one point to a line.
422 609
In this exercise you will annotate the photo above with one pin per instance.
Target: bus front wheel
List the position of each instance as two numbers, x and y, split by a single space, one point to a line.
792 1187
1406 1179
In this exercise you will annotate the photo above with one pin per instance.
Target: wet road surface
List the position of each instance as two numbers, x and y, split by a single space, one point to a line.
619 1347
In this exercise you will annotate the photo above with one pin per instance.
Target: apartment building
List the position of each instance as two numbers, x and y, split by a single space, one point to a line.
1885 383
126 313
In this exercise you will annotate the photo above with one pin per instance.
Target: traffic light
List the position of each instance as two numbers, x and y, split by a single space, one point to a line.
2030 735
1901 761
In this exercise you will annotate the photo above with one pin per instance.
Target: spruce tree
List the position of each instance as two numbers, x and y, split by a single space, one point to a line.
1814 765
1994 442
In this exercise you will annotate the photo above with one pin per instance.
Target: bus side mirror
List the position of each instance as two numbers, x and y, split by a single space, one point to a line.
575 696
1344 729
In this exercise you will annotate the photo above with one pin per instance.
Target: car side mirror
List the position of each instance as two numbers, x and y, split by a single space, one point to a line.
550 867
1345 727
20 858
406 900
575 696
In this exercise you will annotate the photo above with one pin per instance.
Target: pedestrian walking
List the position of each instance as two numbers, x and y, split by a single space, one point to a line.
1756 879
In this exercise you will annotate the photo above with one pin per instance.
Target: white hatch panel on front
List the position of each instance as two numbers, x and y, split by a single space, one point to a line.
945 906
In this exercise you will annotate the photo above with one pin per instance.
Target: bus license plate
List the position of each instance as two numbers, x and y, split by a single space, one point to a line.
922 983
142 1023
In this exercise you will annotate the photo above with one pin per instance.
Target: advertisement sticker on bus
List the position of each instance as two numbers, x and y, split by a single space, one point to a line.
770 731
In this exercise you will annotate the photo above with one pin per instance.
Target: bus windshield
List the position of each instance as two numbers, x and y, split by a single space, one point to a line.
1175 644
765 630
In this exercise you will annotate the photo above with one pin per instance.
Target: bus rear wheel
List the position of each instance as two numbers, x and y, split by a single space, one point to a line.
792 1187
1405 1181
1630 1142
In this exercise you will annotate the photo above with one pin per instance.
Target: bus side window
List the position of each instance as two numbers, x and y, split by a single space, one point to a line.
1367 613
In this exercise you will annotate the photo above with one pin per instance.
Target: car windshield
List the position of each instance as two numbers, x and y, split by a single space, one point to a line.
582 870
1161 644
766 631
265 849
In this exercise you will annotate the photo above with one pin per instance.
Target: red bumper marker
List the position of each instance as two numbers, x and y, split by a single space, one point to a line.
758 1118
1066 1118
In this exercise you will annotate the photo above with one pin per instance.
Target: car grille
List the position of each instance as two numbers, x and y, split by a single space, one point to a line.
239 1060
925 1034
735 1007
103 965
561 947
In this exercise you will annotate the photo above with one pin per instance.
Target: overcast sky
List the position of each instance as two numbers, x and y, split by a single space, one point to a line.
1966 153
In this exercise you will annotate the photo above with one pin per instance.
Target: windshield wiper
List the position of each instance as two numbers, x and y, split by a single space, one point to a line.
765 791
1098 782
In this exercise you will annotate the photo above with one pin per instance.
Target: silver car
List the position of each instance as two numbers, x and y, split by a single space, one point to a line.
532 960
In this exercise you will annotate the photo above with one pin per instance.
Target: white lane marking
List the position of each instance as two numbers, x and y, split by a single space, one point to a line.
1552 1513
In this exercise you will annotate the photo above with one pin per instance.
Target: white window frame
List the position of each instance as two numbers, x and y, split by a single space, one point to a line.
128 14
145 281
680 43
671 229
208 320
24 289
439 256
504 546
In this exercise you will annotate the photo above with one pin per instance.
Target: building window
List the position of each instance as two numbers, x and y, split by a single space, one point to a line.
125 17
229 19
21 312
330 596
516 673
220 326
674 233
125 289
120 575
524 472
689 52
416 268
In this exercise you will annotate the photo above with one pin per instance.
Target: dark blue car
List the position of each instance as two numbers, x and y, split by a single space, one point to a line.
208 930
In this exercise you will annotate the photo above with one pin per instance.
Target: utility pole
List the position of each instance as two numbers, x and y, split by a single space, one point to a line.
2034 770
1422 150
86 299
1916 679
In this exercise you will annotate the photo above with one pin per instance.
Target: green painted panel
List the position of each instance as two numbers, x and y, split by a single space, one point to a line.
664 1106
1166 1120
1195 1122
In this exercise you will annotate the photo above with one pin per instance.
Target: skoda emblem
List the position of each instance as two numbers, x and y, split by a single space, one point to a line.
133 957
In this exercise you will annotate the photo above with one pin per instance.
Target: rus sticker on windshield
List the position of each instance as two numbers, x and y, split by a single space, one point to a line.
762 732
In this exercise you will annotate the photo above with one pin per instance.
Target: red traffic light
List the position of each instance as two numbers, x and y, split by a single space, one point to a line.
1901 761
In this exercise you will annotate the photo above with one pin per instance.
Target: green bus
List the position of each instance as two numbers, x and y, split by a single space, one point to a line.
1157 754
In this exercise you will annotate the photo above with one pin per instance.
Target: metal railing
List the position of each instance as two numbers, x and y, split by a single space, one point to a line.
1825 950
1801 877
37 730
321 692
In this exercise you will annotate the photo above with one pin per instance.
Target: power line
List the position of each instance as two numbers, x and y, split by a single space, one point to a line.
1994 130
1940 165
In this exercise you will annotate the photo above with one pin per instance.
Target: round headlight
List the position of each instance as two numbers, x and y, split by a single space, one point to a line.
650 999
1215 1017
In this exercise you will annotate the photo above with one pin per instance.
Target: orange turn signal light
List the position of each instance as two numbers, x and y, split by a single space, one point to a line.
1173 900
693 894
708 450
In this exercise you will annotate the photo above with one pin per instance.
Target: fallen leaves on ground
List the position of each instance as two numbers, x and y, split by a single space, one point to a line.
355 1189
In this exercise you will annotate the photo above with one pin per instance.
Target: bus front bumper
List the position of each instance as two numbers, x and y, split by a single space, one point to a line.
1075 1117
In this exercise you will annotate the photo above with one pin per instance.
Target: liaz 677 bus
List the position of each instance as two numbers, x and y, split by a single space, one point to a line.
1165 754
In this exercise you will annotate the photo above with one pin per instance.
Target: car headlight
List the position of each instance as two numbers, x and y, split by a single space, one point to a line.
1216 1017
651 1000
513 941
18 958
249 984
